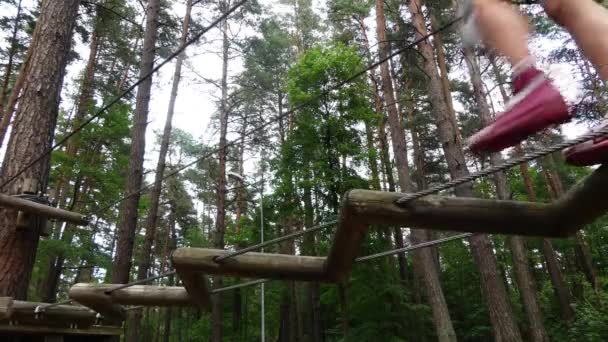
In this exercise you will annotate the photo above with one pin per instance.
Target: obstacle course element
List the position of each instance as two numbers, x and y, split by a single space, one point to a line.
360 209
32 318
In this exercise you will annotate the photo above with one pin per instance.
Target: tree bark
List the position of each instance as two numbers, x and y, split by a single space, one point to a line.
501 314
36 117
443 67
441 316
8 71
525 280
129 214
71 151
220 222
16 93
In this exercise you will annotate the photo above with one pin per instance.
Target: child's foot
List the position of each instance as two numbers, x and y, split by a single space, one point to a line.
590 152
535 106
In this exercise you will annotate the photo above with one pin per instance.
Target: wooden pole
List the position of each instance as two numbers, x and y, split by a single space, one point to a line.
198 288
25 313
250 265
42 330
134 295
97 300
42 210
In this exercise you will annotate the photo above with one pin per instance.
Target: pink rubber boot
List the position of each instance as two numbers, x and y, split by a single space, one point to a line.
589 153
535 106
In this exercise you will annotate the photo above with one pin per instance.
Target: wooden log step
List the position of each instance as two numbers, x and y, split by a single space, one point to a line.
583 204
146 295
42 329
95 298
42 210
24 313
250 265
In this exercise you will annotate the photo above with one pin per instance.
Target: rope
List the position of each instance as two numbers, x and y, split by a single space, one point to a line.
277 118
414 247
238 286
124 93
141 281
321 226
42 307
592 135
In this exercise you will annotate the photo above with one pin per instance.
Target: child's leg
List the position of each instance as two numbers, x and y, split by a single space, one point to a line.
537 104
502 29
587 21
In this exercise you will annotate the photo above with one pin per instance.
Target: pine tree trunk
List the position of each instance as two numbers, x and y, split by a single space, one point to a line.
220 222
155 192
555 273
445 81
71 150
128 217
525 280
315 324
36 117
8 71
16 92
581 249
501 314
423 257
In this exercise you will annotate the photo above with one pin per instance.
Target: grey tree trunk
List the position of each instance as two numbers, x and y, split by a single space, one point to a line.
220 222
441 316
128 217
155 192
36 117
555 272
501 314
525 280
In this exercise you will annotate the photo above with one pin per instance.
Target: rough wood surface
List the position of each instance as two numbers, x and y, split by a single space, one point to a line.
453 214
21 329
198 289
98 301
346 243
42 210
138 294
6 307
250 265
583 204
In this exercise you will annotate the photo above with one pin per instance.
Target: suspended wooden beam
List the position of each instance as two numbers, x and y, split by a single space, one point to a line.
97 300
197 287
584 204
25 312
250 265
42 210
135 295
41 329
